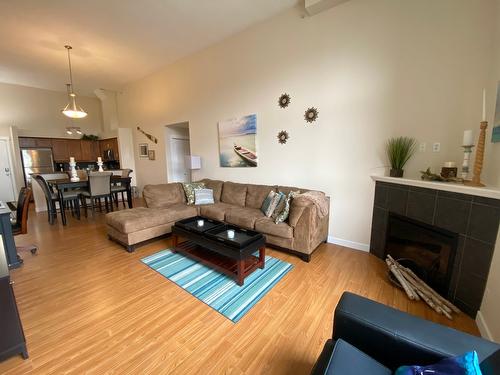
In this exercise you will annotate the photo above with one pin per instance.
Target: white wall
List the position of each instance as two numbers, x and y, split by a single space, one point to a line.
373 69
126 150
37 112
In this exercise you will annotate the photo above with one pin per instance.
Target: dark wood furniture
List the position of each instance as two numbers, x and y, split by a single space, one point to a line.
9 246
65 184
211 246
63 148
12 340
20 225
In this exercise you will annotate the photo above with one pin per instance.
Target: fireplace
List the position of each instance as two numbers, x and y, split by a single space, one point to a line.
427 250
455 233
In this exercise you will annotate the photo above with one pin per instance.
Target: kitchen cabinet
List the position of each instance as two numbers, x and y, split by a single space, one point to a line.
31 142
90 150
75 149
109 144
60 150
80 149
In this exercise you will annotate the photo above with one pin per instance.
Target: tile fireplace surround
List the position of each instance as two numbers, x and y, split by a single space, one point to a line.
472 213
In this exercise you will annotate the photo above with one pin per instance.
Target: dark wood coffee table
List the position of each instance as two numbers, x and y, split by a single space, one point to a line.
210 245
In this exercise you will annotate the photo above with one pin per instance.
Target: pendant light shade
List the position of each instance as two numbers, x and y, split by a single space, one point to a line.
72 110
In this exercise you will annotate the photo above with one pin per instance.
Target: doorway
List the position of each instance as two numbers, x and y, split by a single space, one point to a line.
176 149
7 193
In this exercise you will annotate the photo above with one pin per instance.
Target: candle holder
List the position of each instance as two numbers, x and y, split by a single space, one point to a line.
465 163
100 164
478 161
74 175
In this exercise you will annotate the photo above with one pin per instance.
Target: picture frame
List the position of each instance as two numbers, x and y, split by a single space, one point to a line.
151 155
238 142
143 151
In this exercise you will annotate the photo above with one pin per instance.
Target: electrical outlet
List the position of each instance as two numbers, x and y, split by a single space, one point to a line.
436 147
423 147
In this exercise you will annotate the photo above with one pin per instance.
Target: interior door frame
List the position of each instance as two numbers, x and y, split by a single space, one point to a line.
9 161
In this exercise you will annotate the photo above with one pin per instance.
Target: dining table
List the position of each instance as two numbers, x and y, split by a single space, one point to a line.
62 184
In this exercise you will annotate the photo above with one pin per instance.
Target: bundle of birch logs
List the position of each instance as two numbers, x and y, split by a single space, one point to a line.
417 289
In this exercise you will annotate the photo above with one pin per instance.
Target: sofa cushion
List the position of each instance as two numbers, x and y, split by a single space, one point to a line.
256 194
216 186
347 359
267 226
243 217
233 193
189 188
135 219
163 195
215 211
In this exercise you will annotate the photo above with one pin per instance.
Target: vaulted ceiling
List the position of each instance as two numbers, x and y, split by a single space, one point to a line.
114 41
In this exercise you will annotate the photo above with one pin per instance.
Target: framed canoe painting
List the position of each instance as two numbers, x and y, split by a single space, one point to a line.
237 142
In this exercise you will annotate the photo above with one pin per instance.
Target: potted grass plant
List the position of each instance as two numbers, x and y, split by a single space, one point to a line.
399 151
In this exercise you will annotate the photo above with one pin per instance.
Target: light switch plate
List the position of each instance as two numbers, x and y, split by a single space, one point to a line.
436 147
423 147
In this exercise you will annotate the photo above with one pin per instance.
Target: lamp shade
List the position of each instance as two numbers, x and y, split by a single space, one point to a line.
193 162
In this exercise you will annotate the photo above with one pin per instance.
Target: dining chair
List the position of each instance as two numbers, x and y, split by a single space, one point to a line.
69 198
51 198
120 187
20 224
99 187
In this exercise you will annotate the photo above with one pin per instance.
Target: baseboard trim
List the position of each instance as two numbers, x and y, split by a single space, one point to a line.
347 243
483 327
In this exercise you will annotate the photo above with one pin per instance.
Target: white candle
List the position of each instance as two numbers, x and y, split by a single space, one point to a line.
468 138
99 159
484 104
72 159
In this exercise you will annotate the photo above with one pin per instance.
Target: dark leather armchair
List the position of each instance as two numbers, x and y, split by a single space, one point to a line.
371 338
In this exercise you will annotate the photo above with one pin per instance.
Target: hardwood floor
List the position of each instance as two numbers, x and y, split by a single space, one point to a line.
88 306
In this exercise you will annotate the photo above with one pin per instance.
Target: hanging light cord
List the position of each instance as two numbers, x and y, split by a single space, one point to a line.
68 47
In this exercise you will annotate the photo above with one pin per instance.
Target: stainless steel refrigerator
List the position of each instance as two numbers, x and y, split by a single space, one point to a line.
36 160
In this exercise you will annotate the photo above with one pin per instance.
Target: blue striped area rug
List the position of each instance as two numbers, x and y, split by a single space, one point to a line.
217 290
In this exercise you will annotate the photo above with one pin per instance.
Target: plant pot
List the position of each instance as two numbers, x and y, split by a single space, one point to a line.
396 172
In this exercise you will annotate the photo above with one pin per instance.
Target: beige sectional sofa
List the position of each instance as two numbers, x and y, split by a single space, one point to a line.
235 203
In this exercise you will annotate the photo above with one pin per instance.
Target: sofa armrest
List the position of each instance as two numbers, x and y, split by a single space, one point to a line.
297 209
395 338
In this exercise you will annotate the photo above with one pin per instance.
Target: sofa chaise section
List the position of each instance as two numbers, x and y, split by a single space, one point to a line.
166 205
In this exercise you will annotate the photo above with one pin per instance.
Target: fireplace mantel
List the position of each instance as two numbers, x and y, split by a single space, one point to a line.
487 191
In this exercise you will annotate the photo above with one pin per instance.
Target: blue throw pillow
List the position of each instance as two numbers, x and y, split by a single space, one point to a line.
467 364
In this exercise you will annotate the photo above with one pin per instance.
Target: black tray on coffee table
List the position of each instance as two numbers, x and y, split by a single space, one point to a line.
191 224
242 237
234 257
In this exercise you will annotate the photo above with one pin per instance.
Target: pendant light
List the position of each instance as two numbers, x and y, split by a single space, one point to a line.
72 110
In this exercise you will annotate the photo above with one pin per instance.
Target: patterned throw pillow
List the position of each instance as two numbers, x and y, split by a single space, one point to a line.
272 205
286 211
267 201
280 206
189 190
203 196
